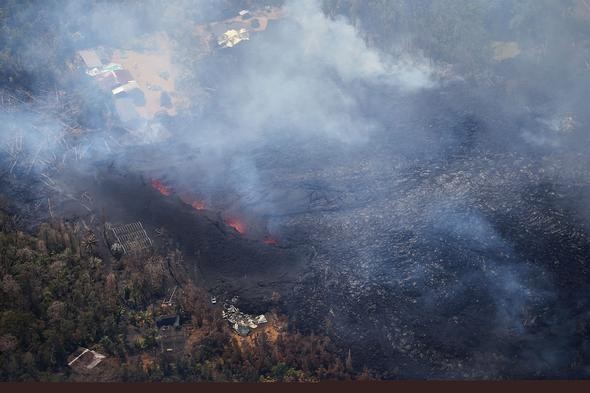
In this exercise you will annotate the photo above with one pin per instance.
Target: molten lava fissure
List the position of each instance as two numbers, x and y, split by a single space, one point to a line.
269 240
198 205
161 187
239 226
194 203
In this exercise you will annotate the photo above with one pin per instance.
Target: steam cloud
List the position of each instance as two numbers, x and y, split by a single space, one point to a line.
310 106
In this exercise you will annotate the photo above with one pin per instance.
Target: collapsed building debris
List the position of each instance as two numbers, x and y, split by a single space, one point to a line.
242 323
261 319
230 32
373 227
233 37
84 359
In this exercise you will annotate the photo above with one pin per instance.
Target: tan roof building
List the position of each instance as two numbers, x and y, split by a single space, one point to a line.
233 37
90 58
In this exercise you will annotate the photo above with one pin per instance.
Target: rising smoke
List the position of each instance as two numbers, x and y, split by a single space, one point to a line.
411 180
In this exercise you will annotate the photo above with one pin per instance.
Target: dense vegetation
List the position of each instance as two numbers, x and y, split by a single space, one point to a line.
57 294
54 298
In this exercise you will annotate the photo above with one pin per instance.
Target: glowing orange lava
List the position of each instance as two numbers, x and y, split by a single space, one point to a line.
270 240
162 189
198 205
194 203
237 225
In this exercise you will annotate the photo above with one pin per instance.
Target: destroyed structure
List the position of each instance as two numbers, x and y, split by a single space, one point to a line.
242 323
233 37
230 32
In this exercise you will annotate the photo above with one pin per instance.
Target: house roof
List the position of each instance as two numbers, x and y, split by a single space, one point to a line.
84 358
123 76
90 58
129 86
107 80
168 320
114 78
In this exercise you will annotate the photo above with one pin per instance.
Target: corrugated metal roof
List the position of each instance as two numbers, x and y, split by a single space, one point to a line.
90 58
